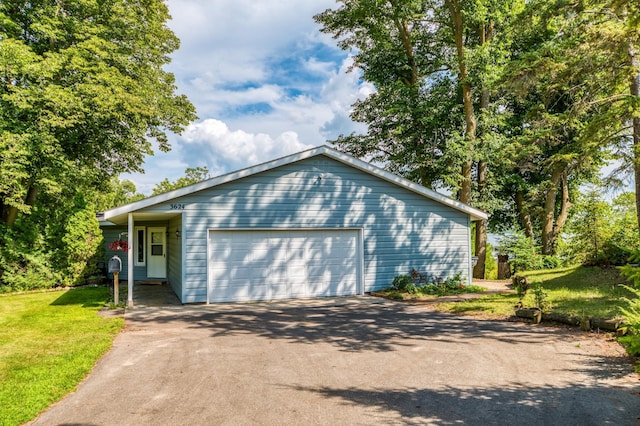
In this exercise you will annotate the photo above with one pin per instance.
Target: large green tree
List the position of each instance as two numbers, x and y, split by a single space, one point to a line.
83 94
432 63
572 84
398 51
83 98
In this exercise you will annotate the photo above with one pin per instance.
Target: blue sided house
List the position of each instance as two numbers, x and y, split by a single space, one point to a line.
317 223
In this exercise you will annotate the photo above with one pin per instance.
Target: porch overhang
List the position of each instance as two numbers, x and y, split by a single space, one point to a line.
123 219
129 220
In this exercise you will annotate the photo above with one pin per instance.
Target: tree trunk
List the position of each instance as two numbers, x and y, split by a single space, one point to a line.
457 25
485 33
481 249
405 35
481 227
11 215
464 193
548 220
525 218
634 89
11 212
565 204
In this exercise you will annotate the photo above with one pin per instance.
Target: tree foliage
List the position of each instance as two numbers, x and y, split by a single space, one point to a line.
82 94
83 98
115 193
600 232
511 105
565 89
192 175
81 245
432 117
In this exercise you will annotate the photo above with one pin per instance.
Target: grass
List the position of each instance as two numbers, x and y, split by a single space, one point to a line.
578 291
49 342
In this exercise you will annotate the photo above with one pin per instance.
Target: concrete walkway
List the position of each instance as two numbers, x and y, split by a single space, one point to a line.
358 360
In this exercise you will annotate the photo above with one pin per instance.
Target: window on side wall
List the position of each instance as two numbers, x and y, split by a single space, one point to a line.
139 252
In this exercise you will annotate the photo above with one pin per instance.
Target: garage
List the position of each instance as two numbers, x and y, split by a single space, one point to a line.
311 224
282 264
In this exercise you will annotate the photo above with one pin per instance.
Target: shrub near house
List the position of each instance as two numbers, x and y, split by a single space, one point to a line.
40 253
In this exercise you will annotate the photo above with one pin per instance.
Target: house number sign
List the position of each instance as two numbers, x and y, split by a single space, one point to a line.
177 206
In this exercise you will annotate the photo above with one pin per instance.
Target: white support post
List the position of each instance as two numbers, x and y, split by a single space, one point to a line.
470 269
130 263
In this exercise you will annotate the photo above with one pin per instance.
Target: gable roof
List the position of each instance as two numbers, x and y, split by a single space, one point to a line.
475 214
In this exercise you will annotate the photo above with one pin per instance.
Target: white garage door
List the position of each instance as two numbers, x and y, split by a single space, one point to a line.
262 265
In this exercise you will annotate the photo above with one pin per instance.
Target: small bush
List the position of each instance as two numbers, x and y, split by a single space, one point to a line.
632 272
452 285
632 320
401 282
551 262
521 284
541 298
429 289
631 311
521 251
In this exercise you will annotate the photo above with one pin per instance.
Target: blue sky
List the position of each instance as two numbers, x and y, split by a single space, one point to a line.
265 83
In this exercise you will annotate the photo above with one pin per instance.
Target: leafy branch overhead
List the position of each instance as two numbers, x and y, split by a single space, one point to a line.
509 105
83 95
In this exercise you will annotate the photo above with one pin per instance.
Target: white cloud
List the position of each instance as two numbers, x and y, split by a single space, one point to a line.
231 39
230 150
265 82
340 92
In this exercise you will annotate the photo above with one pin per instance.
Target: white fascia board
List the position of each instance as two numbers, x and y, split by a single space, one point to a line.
321 150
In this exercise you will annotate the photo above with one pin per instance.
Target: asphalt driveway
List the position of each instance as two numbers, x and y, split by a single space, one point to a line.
348 361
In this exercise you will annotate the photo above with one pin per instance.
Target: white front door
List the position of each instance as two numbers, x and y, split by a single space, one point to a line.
157 253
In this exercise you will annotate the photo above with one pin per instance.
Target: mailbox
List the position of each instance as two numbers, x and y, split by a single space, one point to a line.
115 264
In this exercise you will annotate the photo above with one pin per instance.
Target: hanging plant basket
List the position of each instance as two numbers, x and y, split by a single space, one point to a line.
119 245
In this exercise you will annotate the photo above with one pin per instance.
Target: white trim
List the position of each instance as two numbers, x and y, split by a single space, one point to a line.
360 281
130 262
469 250
321 150
183 263
361 263
208 265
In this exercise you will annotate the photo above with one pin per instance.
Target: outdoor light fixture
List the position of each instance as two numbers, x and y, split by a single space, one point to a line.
177 233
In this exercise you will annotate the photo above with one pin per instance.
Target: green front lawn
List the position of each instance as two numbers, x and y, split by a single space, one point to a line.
48 343
578 291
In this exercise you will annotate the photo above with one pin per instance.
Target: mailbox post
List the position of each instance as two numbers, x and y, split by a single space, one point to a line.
115 266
